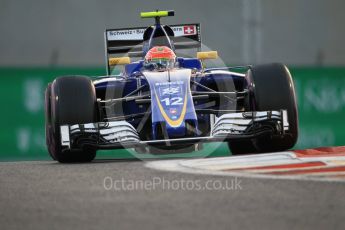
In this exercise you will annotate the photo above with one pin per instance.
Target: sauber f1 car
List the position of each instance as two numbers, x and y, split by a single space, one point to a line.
164 102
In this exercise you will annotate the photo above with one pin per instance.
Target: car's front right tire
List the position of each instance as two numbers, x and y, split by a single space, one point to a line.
69 100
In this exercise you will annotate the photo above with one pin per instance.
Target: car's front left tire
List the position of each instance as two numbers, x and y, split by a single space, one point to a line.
271 88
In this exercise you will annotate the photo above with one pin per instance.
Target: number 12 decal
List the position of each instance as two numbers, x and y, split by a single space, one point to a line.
173 101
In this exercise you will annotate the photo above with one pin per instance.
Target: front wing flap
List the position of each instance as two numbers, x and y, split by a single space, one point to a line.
121 134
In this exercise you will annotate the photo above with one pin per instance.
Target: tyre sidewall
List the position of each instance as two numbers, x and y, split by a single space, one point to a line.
73 101
271 88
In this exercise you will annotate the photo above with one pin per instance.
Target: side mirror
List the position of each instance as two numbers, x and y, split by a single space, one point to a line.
207 55
119 61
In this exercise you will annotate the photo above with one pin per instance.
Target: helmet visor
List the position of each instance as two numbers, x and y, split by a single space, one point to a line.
162 63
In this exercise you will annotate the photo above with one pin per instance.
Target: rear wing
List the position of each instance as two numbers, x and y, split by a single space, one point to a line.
129 41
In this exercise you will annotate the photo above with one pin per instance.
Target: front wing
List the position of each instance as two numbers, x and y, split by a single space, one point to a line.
227 127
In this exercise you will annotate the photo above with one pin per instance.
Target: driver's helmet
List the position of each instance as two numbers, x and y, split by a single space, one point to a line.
160 58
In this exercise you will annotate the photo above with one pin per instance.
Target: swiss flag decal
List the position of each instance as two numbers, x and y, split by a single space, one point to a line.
188 30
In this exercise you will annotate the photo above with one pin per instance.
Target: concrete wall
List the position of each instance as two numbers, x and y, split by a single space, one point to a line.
70 32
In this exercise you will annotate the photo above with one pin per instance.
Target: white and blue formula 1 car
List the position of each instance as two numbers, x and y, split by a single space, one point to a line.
166 103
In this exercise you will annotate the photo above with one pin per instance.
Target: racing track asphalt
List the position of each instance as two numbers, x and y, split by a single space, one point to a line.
48 195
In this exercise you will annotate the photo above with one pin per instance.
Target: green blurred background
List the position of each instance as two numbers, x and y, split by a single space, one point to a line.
43 39
320 93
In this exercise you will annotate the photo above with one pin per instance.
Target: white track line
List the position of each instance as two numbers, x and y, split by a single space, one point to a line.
211 166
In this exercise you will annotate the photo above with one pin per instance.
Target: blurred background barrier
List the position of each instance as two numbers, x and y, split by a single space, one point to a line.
320 93
70 32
